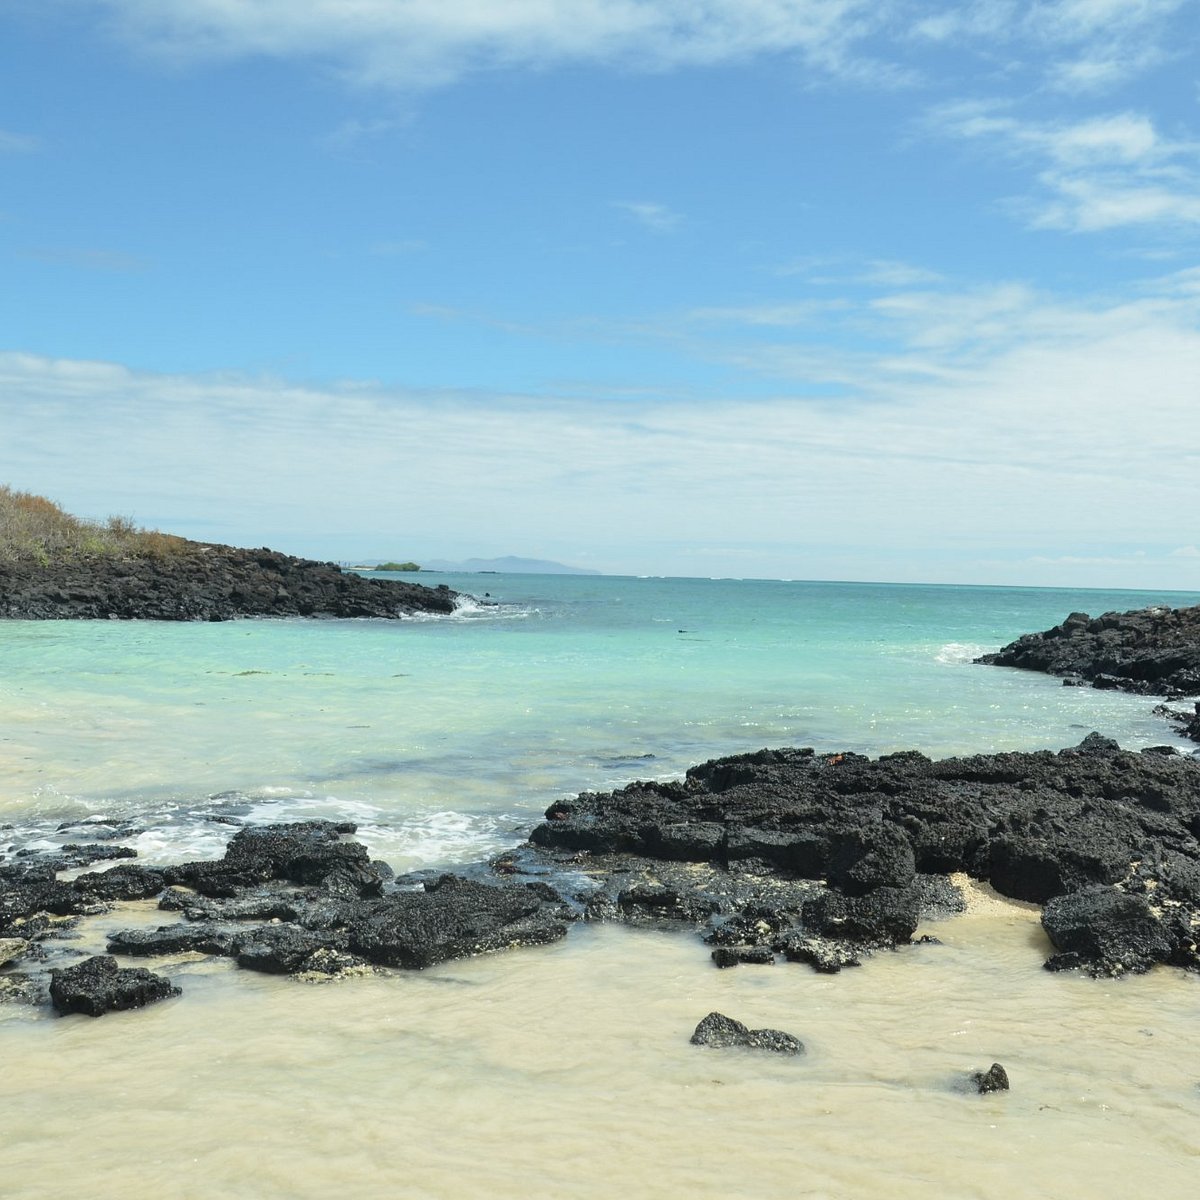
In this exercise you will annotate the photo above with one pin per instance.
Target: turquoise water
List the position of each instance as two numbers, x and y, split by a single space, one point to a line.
445 738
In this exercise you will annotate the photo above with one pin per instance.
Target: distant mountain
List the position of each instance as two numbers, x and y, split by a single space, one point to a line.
508 565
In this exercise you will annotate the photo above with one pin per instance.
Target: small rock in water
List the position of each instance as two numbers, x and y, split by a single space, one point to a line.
994 1079
730 956
822 954
11 949
720 1031
97 986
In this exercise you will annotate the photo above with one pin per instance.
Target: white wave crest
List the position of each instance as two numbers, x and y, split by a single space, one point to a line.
471 608
959 653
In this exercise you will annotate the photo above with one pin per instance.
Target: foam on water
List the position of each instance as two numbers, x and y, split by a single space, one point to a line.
962 653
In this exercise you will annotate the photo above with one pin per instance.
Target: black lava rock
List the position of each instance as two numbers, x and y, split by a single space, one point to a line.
1105 931
206 582
171 939
994 1079
454 918
719 1031
97 986
1187 724
1153 651
731 956
1035 825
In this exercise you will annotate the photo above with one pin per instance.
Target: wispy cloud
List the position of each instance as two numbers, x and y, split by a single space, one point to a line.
1076 46
351 134
17 143
414 43
876 272
658 218
85 259
1094 174
791 314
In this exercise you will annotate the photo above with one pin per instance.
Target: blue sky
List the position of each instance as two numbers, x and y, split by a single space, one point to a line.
801 288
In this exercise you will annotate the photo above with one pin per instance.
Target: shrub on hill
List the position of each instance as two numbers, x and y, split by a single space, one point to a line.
34 529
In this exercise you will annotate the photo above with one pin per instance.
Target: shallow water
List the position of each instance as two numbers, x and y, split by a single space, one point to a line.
566 1070
446 739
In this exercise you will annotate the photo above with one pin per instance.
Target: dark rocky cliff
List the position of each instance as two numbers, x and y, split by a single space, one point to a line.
206 582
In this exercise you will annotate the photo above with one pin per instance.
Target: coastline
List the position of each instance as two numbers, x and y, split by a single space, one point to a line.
207 582
772 856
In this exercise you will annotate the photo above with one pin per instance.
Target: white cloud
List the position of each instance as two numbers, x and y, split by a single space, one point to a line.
1084 44
1077 46
417 43
890 273
1100 173
656 217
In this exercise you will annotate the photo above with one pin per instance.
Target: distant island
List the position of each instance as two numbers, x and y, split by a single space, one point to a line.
56 566
508 565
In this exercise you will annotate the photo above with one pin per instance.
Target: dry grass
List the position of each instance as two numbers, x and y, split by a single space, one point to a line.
34 529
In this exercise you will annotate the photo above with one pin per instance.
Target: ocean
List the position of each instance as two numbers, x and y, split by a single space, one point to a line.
566 1070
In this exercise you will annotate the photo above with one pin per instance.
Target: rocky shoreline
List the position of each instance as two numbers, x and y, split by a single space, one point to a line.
784 854
207 582
1150 652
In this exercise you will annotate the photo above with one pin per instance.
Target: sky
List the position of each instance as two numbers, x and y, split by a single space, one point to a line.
825 289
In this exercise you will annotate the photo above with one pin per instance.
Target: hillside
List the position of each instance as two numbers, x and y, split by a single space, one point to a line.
54 566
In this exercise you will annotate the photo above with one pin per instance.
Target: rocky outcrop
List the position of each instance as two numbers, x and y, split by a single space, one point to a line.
1153 651
823 858
1107 930
207 583
779 855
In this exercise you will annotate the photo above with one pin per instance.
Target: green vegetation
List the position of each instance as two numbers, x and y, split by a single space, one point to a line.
36 530
395 566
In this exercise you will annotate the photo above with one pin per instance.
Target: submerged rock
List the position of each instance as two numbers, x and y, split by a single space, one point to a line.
12 949
720 1032
994 1079
97 986
822 954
